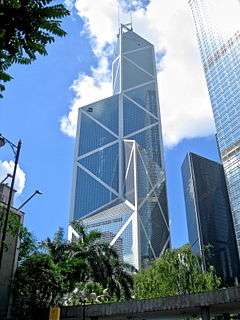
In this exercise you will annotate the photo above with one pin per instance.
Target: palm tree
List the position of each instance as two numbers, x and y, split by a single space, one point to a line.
103 263
117 274
51 274
90 259
58 248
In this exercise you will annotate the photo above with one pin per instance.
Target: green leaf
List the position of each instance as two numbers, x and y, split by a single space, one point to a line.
5 76
178 271
28 27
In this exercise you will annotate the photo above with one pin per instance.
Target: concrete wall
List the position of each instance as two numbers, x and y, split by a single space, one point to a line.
204 305
8 265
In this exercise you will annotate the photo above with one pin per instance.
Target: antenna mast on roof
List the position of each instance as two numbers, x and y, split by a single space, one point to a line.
124 16
118 15
131 19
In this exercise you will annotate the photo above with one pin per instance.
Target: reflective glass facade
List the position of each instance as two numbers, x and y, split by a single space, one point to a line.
209 217
218 30
119 185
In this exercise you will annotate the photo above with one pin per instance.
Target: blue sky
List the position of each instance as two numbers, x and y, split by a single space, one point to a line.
38 98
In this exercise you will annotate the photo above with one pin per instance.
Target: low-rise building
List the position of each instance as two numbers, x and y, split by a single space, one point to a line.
10 255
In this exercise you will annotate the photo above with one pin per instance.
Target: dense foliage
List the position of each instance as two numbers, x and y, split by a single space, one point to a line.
61 272
178 271
87 270
14 226
26 27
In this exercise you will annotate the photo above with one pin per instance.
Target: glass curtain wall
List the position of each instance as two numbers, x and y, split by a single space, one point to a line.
209 219
218 31
119 185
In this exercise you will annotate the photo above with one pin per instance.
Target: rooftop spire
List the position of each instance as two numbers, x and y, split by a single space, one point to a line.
124 17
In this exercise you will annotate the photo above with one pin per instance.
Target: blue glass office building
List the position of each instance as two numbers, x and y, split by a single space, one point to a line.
209 217
119 185
218 30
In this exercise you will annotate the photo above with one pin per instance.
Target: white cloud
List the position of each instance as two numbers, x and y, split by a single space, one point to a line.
87 90
168 24
100 21
7 167
69 4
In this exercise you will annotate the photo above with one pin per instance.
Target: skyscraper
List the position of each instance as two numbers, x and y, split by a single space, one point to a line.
119 185
209 217
218 31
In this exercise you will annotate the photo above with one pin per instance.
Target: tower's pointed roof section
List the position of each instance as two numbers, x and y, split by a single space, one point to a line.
132 41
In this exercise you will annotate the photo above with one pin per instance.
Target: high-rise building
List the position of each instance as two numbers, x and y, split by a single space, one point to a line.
209 217
218 31
119 185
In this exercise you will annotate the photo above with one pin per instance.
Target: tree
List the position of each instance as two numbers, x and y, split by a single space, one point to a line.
38 284
58 270
177 272
103 263
28 244
26 27
58 248
15 229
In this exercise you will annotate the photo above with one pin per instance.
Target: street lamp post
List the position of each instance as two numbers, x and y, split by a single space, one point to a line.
7 176
28 199
36 192
16 149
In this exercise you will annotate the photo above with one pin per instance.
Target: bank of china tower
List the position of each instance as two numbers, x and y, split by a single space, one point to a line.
119 184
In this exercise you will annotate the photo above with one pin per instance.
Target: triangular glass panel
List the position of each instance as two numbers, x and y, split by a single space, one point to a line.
129 190
143 181
92 135
89 194
154 224
154 170
129 187
149 141
143 58
106 112
146 97
126 241
146 250
128 149
134 117
132 41
133 76
161 194
104 165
